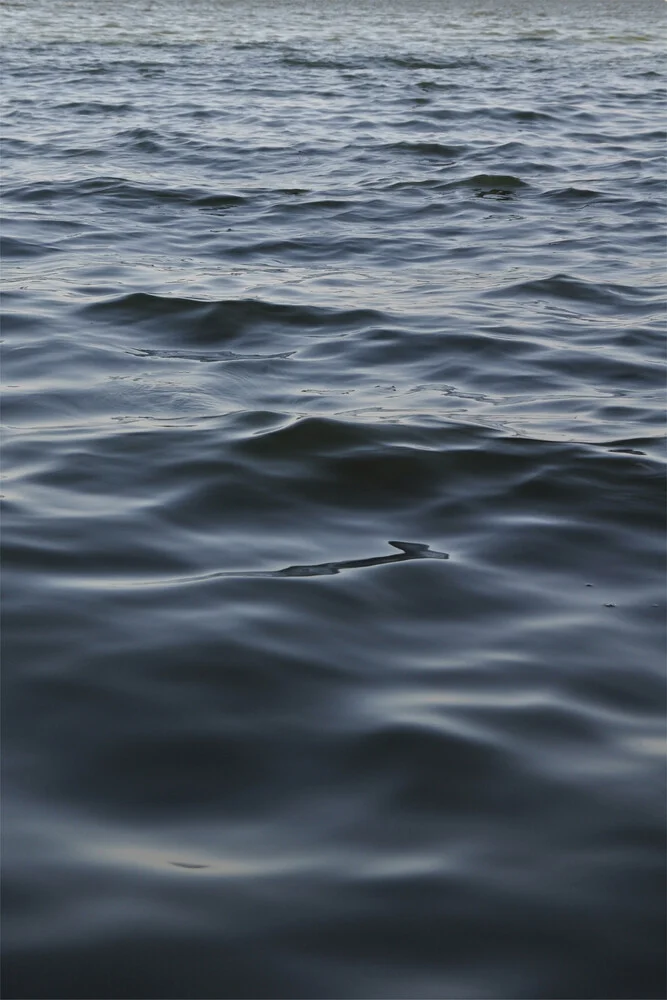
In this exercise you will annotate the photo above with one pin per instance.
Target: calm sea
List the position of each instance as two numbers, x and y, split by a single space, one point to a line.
300 298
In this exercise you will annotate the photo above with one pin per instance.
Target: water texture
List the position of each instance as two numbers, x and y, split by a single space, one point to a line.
300 300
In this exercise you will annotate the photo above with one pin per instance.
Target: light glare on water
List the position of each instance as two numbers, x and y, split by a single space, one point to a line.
298 302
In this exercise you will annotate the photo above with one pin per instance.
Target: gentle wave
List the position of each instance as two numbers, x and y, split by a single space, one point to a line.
333 501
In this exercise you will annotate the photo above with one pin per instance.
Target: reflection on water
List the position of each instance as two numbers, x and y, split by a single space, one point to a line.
282 284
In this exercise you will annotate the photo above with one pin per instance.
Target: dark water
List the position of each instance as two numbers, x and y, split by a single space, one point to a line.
298 300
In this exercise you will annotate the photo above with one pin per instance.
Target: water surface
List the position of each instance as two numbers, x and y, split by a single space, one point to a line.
296 300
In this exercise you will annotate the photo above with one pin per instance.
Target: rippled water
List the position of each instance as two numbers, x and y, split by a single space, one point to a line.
298 302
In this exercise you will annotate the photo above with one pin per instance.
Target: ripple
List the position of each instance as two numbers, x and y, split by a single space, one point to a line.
333 502
563 286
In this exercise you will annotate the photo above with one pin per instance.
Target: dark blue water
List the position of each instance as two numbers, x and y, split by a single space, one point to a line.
297 301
